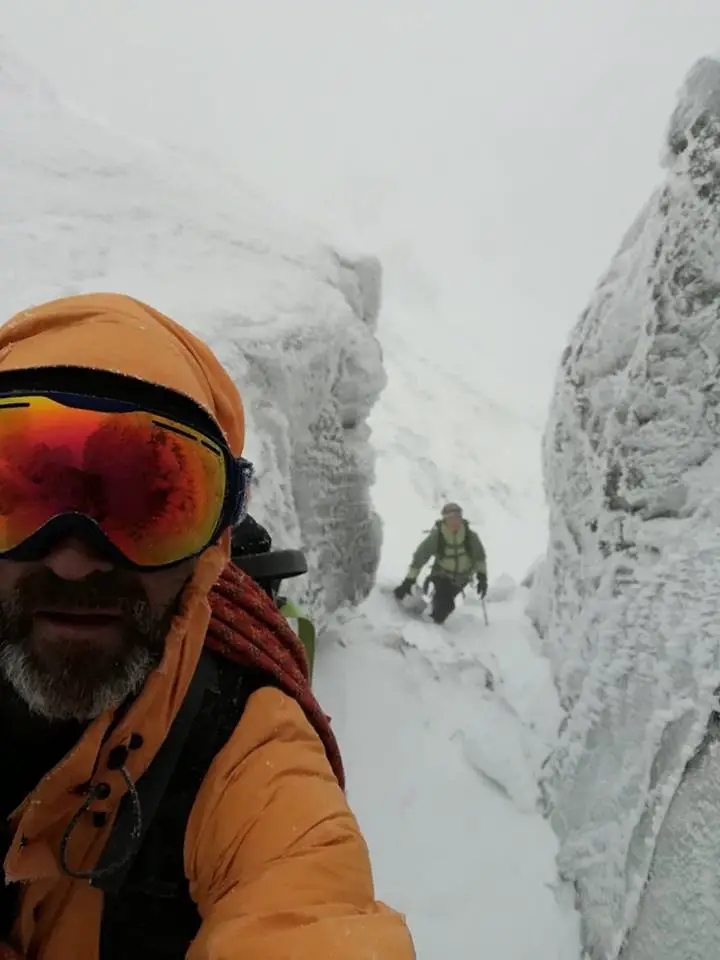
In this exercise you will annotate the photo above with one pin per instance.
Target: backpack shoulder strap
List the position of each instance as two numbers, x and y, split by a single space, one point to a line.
302 625
148 911
151 787
440 540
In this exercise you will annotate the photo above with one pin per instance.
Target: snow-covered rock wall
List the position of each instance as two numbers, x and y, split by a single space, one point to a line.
84 209
628 599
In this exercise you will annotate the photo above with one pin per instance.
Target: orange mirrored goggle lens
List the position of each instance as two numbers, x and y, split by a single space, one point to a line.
154 487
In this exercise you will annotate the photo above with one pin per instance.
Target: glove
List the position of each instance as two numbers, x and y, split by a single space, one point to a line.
482 584
404 589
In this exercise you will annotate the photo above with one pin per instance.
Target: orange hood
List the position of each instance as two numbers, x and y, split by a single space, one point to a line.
108 331
122 335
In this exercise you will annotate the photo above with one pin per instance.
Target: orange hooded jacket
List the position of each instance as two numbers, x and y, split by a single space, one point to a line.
276 862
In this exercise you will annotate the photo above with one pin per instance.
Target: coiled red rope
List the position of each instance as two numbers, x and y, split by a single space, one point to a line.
247 628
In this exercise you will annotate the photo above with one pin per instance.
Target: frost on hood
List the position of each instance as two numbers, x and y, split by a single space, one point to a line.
85 209
627 601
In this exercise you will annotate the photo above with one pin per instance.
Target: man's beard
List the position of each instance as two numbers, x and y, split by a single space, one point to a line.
79 680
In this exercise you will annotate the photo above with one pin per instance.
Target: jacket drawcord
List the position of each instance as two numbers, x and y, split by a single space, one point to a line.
100 791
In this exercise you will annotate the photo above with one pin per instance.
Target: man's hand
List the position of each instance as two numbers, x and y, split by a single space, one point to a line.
482 584
404 589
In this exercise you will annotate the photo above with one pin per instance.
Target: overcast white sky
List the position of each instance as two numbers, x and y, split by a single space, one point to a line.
492 152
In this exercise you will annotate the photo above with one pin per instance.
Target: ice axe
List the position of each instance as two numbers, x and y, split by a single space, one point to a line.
482 601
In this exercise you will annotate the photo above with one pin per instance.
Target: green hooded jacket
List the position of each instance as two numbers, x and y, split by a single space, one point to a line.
458 556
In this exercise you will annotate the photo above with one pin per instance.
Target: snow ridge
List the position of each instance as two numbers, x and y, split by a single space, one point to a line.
628 595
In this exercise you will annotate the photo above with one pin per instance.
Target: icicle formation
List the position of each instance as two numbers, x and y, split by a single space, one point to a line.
628 601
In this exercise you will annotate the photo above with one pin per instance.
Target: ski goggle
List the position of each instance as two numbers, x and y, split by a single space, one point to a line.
147 490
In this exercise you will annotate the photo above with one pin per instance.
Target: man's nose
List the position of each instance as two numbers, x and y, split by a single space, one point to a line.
73 559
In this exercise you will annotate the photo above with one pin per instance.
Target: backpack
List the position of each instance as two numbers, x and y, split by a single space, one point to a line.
252 552
441 550
148 911
442 543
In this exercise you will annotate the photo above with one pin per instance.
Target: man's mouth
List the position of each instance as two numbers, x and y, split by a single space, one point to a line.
77 622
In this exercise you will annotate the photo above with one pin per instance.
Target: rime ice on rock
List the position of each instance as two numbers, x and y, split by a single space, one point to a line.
628 599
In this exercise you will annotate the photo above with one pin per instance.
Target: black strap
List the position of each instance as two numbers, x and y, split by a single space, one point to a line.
152 785
9 892
275 565
151 915
440 549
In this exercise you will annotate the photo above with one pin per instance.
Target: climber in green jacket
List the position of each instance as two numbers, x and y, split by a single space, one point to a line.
458 557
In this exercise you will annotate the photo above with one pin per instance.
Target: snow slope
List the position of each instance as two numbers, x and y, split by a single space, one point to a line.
443 775
627 599
82 209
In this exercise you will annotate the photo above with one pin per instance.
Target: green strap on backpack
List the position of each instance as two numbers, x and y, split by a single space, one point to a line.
302 625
